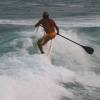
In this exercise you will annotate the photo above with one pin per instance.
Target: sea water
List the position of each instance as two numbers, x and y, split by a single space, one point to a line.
70 73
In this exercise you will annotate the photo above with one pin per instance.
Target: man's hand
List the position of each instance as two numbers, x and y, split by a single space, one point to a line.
57 33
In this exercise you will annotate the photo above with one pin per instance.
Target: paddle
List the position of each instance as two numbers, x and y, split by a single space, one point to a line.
89 50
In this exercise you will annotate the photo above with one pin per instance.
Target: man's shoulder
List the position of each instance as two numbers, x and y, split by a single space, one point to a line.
40 20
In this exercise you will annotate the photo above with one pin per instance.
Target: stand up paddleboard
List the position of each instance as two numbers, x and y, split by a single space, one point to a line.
49 47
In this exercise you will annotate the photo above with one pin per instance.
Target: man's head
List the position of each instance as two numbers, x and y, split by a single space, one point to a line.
45 14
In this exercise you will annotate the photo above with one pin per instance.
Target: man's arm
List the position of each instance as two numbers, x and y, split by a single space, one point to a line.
38 23
57 29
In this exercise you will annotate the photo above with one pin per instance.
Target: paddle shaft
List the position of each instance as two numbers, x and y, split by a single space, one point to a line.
70 40
89 50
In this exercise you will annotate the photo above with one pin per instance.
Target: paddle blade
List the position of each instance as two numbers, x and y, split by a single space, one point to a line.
89 50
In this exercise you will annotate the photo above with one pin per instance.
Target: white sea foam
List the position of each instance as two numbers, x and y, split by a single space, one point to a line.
89 79
33 77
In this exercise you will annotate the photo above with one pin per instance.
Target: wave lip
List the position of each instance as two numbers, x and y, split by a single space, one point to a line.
63 22
16 22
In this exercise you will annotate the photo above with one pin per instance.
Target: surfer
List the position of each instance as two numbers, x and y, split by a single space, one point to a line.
49 27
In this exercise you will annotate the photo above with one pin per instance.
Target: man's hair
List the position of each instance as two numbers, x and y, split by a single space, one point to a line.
45 14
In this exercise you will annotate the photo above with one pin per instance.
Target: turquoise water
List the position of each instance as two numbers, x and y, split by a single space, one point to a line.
69 73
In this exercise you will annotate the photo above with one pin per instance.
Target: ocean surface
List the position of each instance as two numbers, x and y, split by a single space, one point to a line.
69 73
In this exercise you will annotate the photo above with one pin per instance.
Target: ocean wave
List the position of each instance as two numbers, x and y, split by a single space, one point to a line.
62 22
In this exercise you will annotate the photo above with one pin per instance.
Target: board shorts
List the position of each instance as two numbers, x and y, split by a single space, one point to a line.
46 38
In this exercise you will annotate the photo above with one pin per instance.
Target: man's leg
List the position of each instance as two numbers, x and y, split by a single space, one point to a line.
42 42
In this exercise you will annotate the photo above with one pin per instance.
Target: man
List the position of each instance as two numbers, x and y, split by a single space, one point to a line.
49 27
